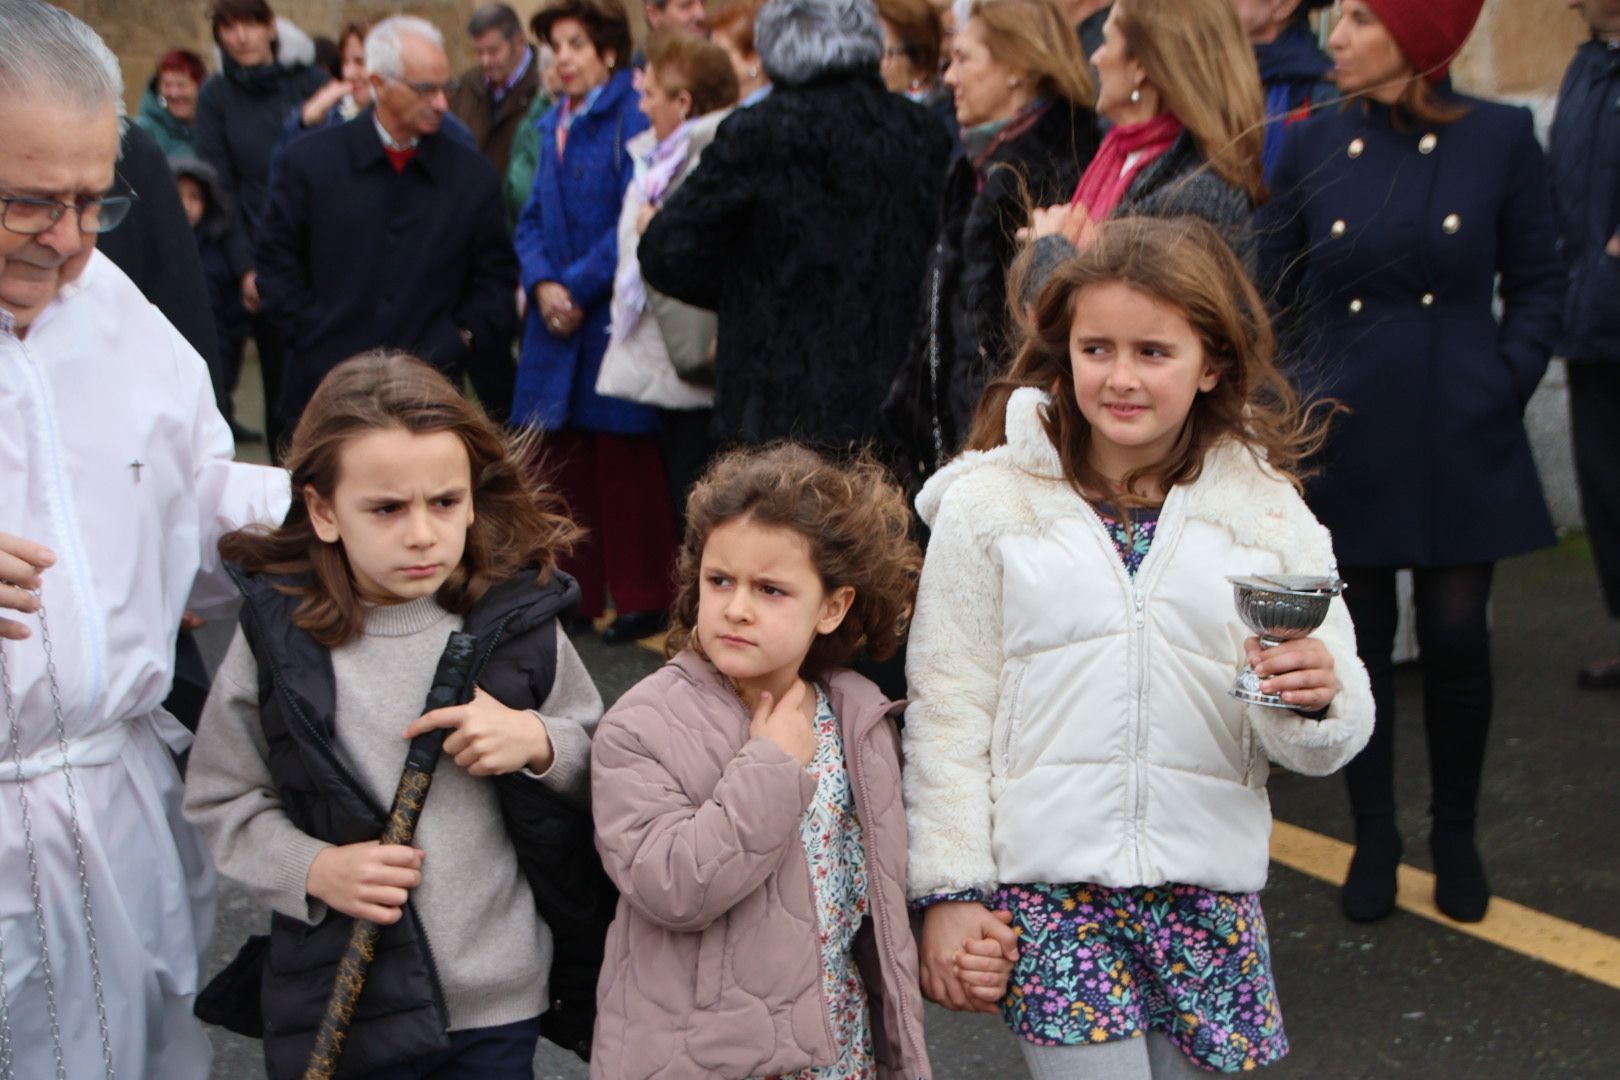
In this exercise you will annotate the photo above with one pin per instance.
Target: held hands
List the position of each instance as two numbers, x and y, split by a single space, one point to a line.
366 881
557 310
21 563
250 292
487 738
321 101
1612 248
968 953
785 723
1070 221
1301 671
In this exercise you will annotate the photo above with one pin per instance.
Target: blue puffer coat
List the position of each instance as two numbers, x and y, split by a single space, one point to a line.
1385 242
1585 158
567 233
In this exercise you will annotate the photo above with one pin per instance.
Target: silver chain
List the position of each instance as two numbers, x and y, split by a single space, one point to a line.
33 865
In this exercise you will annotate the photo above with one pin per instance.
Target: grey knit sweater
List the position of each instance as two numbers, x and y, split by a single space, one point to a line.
492 950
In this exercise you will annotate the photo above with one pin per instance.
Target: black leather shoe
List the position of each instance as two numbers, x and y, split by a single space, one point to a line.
1369 891
575 624
635 625
1460 888
1600 674
244 434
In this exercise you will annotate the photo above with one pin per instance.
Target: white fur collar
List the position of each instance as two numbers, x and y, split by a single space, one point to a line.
1235 489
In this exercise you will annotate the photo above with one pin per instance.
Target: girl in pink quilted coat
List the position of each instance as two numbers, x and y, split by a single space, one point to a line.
747 794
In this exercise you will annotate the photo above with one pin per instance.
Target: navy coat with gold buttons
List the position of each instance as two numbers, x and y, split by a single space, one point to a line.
1387 245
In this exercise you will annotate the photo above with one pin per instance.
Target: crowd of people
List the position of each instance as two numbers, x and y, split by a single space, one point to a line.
870 349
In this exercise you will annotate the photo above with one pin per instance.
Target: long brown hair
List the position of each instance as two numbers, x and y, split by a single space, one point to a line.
1034 36
1196 55
518 525
855 519
1182 262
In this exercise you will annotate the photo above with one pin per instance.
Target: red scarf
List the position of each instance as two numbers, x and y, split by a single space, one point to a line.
1108 177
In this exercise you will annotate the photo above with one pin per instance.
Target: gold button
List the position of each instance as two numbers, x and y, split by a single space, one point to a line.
1357 145
1355 307
1451 224
1428 299
1337 230
1427 144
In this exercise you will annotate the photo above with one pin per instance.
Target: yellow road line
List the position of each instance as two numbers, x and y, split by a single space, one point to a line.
1508 925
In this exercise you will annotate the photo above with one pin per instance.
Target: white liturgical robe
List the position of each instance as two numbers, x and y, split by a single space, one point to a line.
113 455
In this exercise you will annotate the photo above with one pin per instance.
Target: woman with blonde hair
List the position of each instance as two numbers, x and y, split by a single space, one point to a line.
1023 98
1181 91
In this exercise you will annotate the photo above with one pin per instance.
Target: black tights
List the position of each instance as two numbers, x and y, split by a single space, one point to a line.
1455 646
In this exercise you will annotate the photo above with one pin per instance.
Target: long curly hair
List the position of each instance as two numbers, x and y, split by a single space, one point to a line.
852 514
518 524
1182 262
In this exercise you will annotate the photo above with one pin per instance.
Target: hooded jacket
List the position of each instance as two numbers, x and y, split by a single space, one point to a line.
1071 723
713 964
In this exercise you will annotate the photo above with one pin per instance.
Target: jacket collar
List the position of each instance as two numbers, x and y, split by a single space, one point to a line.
855 698
366 148
1235 489
617 91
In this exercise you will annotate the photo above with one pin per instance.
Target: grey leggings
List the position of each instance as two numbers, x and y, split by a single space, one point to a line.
1152 1058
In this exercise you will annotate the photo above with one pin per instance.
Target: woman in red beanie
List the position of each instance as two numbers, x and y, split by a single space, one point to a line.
1395 223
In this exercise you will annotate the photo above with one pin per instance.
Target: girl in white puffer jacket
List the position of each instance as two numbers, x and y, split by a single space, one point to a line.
1075 764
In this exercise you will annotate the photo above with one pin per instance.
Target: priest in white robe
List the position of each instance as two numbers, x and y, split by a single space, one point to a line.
116 483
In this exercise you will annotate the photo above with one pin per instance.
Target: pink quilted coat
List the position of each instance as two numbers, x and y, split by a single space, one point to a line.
713 966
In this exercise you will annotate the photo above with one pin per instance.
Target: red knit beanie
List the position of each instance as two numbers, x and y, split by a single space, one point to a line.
1430 33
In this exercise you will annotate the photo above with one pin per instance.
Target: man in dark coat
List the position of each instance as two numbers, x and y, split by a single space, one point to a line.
382 232
1585 158
807 226
493 98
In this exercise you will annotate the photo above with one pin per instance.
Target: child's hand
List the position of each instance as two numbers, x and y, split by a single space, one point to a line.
488 738
950 929
983 971
785 724
1300 670
366 881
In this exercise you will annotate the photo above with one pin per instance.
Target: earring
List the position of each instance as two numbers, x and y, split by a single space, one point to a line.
753 71
1012 82
1136 95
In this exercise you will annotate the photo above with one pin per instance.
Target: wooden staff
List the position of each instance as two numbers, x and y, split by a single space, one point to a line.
452 685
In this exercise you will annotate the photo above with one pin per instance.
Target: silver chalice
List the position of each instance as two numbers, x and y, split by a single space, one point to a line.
1279 608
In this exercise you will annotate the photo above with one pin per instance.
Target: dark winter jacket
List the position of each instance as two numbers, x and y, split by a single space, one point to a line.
402 1014
807 226
964 334
1384 243
175 137
212 236
1295 75
1585 157
153 244
240 112
354 255
1178 184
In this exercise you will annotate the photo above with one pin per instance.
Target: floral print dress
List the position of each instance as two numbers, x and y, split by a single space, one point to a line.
833 846
1098 964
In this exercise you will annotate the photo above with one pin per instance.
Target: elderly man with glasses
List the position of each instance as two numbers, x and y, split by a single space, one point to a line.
386 232
116 482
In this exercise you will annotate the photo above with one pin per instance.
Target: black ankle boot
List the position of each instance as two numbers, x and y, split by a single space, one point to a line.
1369 891
1460 888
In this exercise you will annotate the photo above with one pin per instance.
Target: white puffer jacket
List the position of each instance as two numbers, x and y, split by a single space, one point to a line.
1069 724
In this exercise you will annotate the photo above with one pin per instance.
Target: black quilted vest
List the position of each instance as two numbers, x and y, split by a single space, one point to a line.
402 1014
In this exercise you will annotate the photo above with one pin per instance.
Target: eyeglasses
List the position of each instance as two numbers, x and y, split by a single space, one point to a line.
30 217
428 89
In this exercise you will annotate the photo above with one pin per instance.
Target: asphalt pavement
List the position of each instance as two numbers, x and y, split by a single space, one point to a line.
1407 997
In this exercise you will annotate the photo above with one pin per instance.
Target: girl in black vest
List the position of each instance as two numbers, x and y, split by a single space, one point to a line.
412 517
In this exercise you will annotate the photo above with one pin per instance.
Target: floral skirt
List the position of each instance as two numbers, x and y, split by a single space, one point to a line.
1098 964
